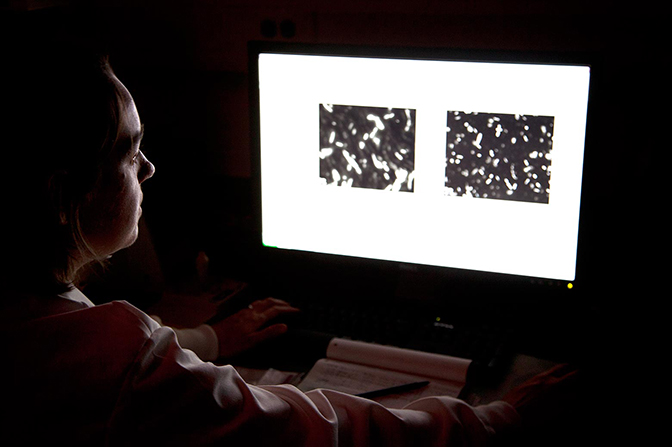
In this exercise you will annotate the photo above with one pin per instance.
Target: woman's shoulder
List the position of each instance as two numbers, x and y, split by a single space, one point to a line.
123 311
114 328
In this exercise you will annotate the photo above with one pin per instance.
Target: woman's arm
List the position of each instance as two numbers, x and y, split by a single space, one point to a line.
171 396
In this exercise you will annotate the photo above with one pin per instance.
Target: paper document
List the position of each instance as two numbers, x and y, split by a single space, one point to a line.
356 367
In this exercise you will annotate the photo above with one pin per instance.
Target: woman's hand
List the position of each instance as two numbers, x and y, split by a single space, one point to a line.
550 399
243 330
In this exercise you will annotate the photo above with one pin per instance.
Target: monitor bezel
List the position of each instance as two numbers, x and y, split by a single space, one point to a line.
434 286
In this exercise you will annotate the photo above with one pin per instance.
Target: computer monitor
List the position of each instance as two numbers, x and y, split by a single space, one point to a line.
459 169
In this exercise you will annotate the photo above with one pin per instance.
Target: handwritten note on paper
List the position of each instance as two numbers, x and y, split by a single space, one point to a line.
355 367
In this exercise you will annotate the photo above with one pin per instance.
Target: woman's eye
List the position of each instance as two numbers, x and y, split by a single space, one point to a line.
136 155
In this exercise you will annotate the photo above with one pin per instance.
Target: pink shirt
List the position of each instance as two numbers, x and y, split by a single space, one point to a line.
109 374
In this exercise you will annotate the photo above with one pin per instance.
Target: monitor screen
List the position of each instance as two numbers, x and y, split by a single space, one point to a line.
466 160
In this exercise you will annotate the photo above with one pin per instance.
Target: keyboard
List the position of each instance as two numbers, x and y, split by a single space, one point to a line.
486 345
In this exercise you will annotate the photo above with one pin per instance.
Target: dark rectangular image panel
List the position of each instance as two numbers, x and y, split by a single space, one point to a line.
499 156
367 147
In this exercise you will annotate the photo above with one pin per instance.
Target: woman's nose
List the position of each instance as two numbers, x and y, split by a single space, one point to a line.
148 169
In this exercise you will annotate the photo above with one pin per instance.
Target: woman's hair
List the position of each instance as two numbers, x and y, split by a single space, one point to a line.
61 110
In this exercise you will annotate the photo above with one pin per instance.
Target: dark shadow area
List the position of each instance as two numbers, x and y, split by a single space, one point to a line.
186 68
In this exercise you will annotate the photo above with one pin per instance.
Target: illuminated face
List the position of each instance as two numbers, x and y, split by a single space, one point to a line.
110 214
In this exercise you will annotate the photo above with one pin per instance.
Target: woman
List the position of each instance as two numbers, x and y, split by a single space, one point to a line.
109 374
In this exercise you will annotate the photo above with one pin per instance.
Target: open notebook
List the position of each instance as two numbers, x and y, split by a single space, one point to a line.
354 367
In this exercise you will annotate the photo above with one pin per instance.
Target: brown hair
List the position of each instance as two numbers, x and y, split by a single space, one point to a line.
63 110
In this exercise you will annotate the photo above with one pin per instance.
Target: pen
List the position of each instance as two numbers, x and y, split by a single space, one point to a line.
394 390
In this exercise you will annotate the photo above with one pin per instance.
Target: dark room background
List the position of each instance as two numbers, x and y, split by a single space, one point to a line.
185 62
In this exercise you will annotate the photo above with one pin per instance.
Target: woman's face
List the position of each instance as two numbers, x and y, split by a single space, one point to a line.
110 214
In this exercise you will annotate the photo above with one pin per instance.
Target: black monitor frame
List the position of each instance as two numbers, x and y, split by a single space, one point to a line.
439 289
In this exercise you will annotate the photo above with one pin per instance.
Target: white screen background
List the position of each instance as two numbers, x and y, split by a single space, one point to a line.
425 226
